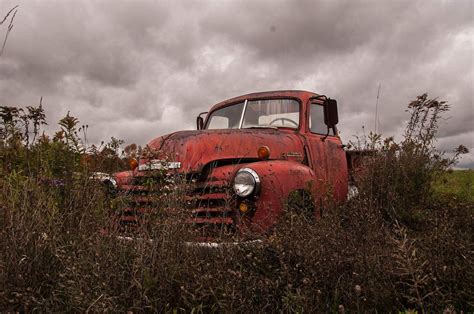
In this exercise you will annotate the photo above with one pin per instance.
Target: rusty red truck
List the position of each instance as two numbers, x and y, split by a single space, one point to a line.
244 162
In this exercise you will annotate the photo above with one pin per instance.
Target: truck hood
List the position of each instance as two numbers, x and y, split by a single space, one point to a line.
195 149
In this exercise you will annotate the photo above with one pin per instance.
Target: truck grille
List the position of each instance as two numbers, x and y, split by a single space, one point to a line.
206 206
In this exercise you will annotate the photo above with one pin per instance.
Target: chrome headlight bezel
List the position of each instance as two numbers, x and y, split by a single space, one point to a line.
255 182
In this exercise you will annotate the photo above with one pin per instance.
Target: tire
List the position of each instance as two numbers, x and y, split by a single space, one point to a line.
301 204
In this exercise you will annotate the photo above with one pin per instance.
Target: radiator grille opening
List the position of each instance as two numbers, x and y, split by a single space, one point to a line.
207 206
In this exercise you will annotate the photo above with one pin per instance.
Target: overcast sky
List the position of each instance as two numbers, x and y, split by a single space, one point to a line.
138 69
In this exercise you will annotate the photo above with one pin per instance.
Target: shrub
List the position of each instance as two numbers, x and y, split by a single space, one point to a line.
394 246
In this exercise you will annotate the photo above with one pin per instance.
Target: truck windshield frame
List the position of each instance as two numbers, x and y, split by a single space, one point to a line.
257 113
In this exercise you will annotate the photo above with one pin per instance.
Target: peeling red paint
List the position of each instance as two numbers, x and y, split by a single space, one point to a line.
299 160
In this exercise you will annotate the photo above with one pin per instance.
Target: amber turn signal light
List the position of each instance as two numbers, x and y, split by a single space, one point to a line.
133 163
263 152
243 207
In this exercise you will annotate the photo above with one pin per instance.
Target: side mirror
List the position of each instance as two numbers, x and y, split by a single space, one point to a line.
331 117
200 121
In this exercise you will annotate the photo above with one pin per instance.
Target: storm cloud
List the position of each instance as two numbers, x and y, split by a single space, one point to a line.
139 69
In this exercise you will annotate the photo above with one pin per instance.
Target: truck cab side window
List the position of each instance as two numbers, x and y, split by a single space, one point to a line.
316 119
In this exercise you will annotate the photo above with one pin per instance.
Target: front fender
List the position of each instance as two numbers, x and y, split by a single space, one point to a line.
278 179
123 178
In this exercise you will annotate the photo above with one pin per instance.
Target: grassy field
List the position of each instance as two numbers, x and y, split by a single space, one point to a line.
392 248
456 183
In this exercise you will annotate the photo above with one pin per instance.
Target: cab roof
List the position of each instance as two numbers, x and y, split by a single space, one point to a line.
301 94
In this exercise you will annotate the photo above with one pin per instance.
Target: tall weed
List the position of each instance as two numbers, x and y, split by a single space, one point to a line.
392 247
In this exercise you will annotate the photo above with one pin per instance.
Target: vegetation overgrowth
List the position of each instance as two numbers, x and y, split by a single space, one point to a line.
397 245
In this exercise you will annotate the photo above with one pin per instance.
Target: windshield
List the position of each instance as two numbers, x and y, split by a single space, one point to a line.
257 113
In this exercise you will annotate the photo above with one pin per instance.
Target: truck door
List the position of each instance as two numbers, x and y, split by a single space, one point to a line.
317 148
327 154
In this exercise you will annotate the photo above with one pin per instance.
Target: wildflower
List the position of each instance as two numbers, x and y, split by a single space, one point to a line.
357 290
340 309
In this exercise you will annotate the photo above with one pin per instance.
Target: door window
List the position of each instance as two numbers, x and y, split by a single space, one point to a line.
316 119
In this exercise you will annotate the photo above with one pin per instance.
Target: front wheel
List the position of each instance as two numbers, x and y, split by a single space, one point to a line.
301 204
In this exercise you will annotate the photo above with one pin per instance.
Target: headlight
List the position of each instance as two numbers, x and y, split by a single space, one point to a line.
246 182
104 178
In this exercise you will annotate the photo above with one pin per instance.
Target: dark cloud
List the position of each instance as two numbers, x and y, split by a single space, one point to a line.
139 69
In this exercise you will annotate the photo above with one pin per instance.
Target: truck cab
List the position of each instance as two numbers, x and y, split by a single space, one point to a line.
248 157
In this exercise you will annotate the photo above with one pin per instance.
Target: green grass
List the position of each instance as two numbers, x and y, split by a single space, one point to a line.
458 183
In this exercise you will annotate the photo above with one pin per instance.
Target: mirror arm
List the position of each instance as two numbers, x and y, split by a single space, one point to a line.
327 134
